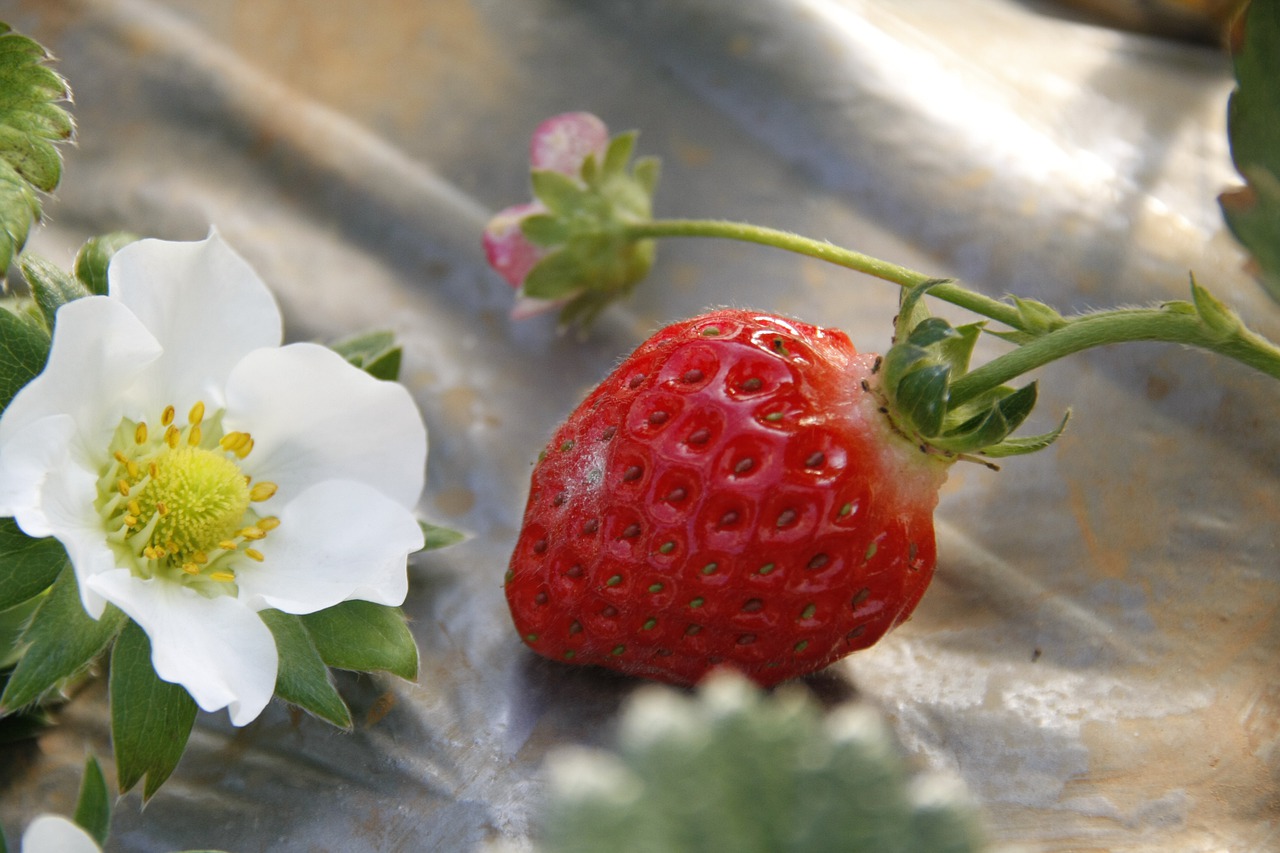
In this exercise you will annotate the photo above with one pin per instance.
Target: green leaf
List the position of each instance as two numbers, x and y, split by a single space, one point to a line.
27 566
93 808
151 719
303 679
51 286
31 122
1253 127
437 537
365 637
95 256
13 621
61 642
376 353
24 348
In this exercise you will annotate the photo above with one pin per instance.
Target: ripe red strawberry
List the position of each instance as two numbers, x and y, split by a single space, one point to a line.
733 493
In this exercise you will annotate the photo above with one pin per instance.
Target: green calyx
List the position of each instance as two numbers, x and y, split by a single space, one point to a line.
593 259
929 356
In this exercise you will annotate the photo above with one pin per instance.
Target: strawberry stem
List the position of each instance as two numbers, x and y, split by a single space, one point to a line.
1001 312
1203 323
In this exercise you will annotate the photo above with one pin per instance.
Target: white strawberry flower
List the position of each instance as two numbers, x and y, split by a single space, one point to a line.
198 472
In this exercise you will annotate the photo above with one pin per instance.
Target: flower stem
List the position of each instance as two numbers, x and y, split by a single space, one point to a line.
1111 327
999 311
1180 323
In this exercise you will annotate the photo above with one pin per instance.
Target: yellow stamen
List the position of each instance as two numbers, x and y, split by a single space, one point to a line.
223 576
232 441
166 417
262 491
132 468
162 508
152 469
254 554
123 486
253 533
193 438
227 545
191 568
149 552
268 523
140 433
134 508
244 449
130 520
199 558
196 415
121 458
171 436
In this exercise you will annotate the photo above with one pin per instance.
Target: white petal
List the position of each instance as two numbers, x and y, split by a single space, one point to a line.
28 456
53 834
218 649
99 351
314 417
203 303
336 541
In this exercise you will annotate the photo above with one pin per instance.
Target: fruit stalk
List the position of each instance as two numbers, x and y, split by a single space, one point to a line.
1204 324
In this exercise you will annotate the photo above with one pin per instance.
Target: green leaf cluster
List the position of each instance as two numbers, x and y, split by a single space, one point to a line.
1253 127
929 355
32 122
592 261
734 769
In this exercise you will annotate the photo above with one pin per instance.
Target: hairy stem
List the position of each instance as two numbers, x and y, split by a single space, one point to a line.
999 311
1079 333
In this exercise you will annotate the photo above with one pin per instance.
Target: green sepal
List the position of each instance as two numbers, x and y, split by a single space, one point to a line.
24 348
921 398
61 641
1026 444
618 153
302 678
1037 317
364 637
93 806
51 286
1216 316
435 536
151 719
545 230
991 426
918 371
95 256
27 566
561 194
647 171
376 353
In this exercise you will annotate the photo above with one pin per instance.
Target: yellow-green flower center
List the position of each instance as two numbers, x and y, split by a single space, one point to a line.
175 501
205 495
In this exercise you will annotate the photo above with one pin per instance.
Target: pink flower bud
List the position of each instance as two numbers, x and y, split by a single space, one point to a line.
508 250
562 142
